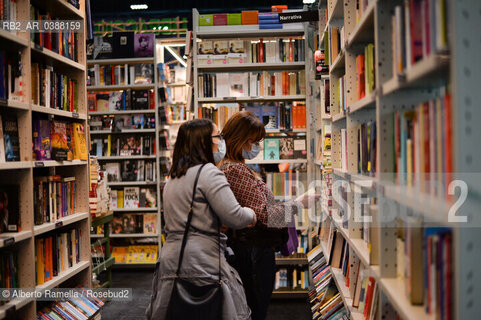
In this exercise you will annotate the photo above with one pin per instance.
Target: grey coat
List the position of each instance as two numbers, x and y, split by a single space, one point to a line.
213 198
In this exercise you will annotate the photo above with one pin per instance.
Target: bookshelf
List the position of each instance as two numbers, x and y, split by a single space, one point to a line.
120 184
402 87
250 35
26 170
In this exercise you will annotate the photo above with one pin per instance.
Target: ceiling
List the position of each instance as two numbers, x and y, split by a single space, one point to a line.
111 9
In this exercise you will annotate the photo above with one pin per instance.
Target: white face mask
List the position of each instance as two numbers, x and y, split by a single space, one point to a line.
249 155
219 155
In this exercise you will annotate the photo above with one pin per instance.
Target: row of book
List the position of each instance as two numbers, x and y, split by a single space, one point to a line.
423 146
357 278
287 184
8 10
121 100
12 85
135 254
324 297
366 148
171 95
9 273
134 198
54 198
125 145
55 254
250 51
168 75
63 42
252 84
361 7
177 113
288 147
52 89
365 69
145 223
292 278
281 115
9 138
108 75
59 140
81 306
118 123
419 29
427 269
130 170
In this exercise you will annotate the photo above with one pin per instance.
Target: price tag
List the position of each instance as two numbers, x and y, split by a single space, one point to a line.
39 164
58 224
75 115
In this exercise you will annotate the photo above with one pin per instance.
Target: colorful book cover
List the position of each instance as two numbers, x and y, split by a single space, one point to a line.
131 197
270 117
10 137
41 139
150 223
271 149
286 146
144 44
79 144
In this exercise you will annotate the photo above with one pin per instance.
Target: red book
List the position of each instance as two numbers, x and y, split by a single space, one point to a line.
369 297
261 50
426 138
113 75
152 100
427 27
448 133
291 51
361 69
273 85
220 19
416 30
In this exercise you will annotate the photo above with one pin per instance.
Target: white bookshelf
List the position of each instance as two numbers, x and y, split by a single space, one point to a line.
23 172
250 32
459 68
154 132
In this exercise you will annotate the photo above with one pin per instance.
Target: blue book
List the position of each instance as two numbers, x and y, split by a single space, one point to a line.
269 21
256 110
268 15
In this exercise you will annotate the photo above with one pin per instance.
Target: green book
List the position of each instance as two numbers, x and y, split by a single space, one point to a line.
206 20
234 19
271 149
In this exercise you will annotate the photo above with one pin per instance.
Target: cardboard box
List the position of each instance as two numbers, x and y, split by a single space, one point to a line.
220 19
206 20
250 17
234 19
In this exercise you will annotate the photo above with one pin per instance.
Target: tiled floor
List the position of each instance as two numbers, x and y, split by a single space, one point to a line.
141 282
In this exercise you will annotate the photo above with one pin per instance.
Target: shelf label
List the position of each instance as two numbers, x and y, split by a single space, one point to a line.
38 47
75 115
301 16
58 224
39 164
9 241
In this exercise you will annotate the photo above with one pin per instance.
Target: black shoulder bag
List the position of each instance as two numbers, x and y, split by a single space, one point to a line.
191 301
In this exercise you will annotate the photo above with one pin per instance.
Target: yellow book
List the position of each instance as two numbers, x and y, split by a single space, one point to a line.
109 145
294 279
39 261
79 144
120 199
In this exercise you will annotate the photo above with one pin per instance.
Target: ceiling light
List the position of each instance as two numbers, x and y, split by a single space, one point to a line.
139 6
308 1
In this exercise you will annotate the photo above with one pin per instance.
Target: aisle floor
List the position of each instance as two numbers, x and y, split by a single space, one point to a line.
141 282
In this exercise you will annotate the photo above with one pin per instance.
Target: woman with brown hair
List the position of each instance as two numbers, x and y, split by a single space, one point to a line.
197 200
254 248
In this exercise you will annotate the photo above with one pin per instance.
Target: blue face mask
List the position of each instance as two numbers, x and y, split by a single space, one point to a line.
219 155
249 155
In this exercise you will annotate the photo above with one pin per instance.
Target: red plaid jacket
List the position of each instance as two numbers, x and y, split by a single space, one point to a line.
253 193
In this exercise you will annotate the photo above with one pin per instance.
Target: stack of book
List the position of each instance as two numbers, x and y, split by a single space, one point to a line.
269 20
134 198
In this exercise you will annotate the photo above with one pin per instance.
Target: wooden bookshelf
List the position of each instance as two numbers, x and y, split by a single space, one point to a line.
23 172
454 67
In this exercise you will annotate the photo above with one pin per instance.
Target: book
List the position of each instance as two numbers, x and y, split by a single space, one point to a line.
144 73
147 198
150 223
9 208
271 149
112 169
10 137
41 139
79 144
131 197
286 146
144 44
2 146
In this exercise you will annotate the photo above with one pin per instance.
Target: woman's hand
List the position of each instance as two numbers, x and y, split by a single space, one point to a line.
308 199
253 222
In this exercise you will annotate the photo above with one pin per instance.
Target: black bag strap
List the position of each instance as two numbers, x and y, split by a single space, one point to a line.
187 227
